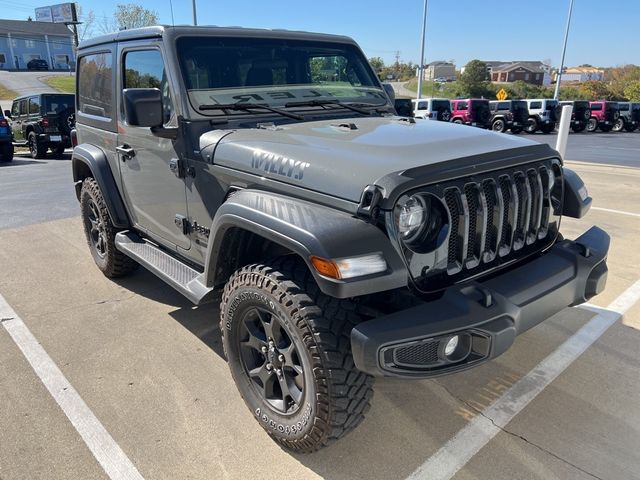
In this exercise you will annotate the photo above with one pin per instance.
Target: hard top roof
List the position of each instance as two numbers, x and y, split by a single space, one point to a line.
160 31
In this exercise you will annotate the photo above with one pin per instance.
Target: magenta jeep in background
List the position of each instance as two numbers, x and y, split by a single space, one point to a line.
604 115
471 111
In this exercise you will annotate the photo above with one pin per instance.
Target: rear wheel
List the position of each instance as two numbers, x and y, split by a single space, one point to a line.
6 152
606 128
516 130
532 125
577 128
457 120
619 125
548 128
498 125
592 125
630 127
59 150
101 232
289 352
36 149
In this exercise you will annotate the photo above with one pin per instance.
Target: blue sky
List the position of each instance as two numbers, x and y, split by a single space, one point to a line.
603 33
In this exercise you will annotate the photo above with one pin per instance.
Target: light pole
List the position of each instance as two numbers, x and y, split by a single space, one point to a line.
556 94
195 18
421 69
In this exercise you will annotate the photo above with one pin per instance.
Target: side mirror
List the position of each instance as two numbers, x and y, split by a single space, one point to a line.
390 91
143 107
7 113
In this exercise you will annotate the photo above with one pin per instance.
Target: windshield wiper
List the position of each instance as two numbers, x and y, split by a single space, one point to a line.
321 103
248 107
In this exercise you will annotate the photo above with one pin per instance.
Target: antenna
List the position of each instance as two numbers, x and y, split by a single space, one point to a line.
173 22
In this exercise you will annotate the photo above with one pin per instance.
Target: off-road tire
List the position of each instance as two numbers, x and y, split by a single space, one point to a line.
548 128
516 130
579 128
113 263
36 149
630 127
457 120
532 125
606 128
58 150
336 395
592 125
6 152
619 125
499 125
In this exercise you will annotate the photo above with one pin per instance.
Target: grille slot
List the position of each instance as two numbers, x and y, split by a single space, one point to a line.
421 354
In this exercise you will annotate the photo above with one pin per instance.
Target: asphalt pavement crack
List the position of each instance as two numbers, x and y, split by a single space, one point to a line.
517 435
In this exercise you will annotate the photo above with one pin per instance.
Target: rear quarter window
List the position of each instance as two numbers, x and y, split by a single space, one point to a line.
95 84
596 107
534 105
462 106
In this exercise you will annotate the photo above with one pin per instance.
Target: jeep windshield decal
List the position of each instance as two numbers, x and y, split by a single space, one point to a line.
274 72
282 96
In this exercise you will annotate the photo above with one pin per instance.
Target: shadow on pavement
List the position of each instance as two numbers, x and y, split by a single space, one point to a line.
20 161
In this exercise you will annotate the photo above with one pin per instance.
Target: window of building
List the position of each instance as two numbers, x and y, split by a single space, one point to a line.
3 59
526 76
537 76
30 43
145 69
14 42
95 84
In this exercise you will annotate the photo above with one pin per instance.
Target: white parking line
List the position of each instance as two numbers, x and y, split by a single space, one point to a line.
107 452
621 212
455 454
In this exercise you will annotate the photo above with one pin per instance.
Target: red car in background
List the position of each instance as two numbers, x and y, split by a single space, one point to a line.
471 111
604 115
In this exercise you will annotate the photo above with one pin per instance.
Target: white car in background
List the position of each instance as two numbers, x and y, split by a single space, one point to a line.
432 109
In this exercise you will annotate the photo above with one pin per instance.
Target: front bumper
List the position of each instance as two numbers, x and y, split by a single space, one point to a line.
487 316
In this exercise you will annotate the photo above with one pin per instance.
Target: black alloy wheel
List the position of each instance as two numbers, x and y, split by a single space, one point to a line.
271 360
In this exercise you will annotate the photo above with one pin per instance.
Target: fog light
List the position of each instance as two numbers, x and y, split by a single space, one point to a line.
451 345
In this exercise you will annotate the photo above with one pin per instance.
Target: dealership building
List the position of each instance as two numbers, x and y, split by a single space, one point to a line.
22 41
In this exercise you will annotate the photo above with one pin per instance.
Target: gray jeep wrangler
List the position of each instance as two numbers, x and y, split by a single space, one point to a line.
268 170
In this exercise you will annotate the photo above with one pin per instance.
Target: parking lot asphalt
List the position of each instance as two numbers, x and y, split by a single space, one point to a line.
150 368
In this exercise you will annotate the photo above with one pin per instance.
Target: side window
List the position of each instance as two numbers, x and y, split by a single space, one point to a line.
95 85
15 109
534 105
23 107
145 69
596 107
503 106
34 105
463 105
423 105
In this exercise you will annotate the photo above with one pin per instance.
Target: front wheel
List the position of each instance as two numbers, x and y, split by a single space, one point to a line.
289 352
548 128
592 125
516 130
578 127
457 120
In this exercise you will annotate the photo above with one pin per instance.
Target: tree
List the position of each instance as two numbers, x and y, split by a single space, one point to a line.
130 15
87 25
632 91
377 64
595 90
475 79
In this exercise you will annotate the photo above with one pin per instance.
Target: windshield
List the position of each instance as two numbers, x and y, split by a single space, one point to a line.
58 103
274 72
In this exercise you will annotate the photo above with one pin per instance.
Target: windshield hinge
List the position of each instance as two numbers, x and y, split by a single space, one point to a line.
368 209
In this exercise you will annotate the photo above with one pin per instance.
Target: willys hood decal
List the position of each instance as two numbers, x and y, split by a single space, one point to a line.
341 157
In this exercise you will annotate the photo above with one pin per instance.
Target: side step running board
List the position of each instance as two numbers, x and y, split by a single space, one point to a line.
180 276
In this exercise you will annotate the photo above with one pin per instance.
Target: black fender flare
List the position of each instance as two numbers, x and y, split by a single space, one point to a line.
306 229
91 159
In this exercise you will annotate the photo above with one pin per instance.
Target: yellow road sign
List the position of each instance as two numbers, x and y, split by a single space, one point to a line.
502 94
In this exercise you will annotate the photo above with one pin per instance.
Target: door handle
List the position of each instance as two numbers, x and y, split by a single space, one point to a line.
126 152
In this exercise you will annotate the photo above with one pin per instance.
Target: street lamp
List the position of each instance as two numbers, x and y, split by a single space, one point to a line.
421 69
556 94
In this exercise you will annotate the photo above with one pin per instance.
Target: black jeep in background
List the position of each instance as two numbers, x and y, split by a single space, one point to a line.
580 115
43 121
508 115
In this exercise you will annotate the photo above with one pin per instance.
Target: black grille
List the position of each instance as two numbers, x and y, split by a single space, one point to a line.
494 218
421 354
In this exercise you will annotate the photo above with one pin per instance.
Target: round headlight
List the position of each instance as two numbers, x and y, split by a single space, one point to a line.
411 216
